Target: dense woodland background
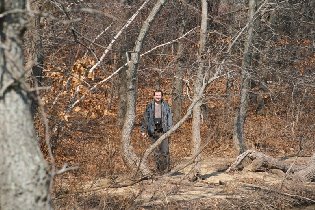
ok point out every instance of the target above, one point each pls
(94, 69)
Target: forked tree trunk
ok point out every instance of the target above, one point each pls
(196, 137)
(129, 156)
(238, 134)
(24, 179)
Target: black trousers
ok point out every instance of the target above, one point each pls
(161, 153)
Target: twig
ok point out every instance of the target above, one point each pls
(278, 192)
(65, 168)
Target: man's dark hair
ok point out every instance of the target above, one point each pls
(160, 91)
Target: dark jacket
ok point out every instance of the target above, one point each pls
(148, 118)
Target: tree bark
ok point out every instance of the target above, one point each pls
(122, 97)
(238, 134)
(122, 84)
(177, 92)
(24, 179)
(196, 137)
(122, 91)
(129, 156)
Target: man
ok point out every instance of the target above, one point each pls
(157, 121)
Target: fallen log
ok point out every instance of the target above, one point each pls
(255, 161)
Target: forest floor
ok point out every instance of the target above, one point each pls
(102, 180)
(215, 190)
(90, 139)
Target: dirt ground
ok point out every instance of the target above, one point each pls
(215, 190)
(102, 180)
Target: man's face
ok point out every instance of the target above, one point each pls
(157, 97)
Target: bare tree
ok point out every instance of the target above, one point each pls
(129, 156)
(123, 52)
(24, 179)
(238, 134)
(196, 137)
(177, 92)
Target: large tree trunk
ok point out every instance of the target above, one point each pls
(238, 134)
(122, 77)
(129, 156)
(196, 138)
(24, 179)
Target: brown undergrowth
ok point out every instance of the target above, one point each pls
(88, 137)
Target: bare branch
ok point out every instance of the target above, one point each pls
(246, 26)
(120, 68)
(109, 47)
(170, 42)
(11, 12)
(98, 36)
(66, 168)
